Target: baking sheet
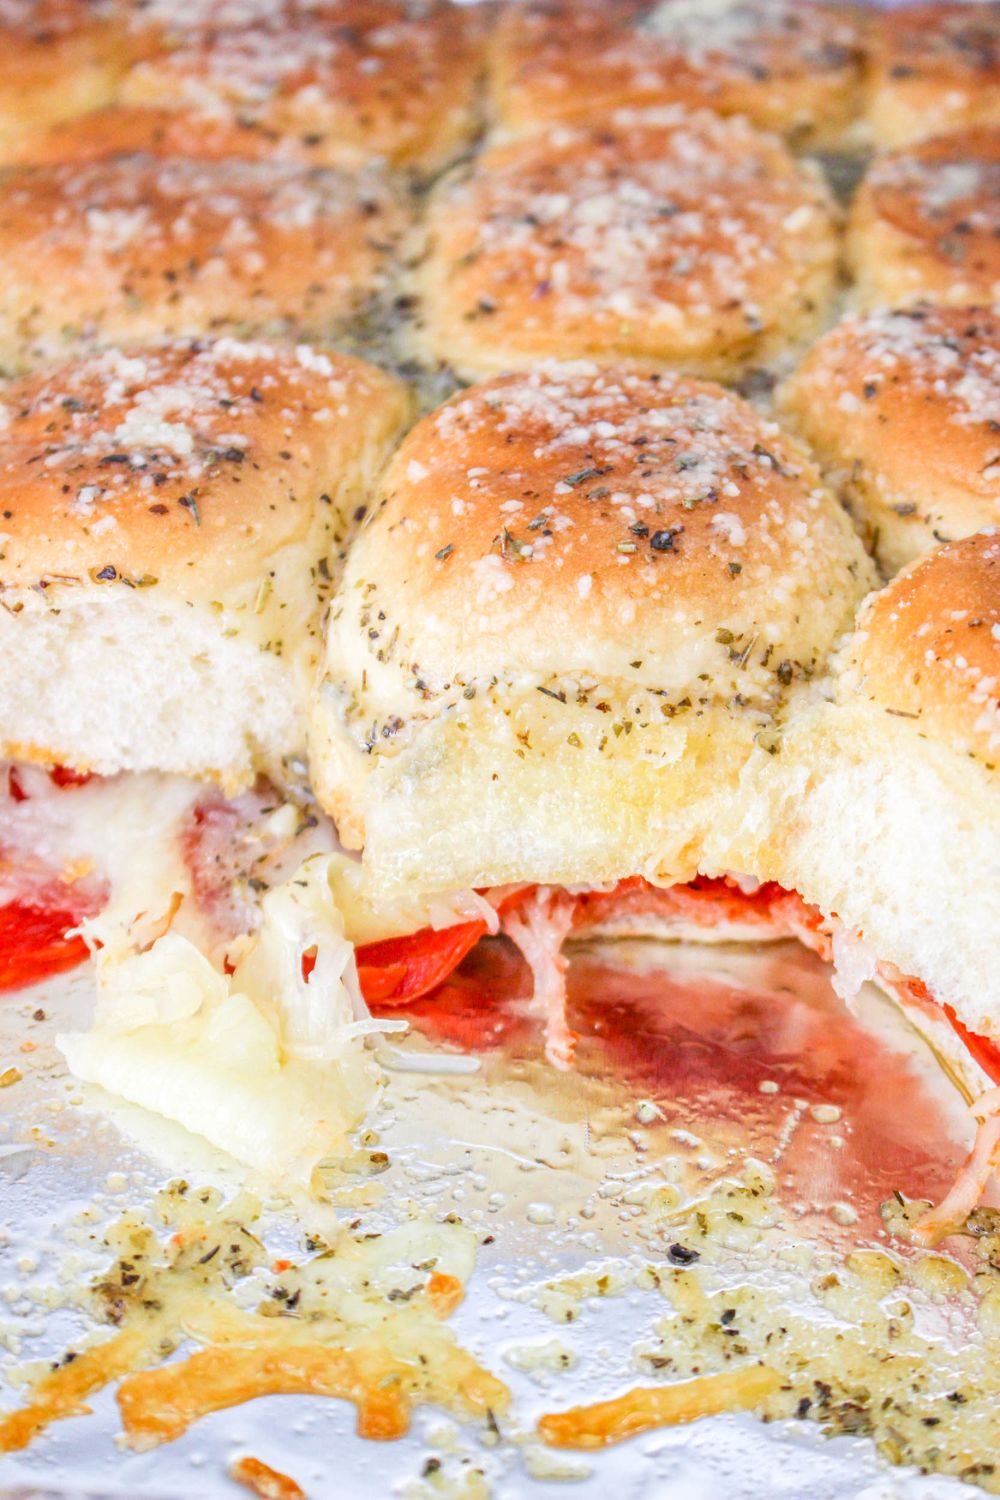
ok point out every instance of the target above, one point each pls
(691, 1061)
(732, 1048)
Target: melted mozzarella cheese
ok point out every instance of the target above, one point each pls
(267, 1063)
(122, 828)
(371, 916)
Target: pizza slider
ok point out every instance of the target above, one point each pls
(790, 67)
(352, 80)
(925, 224)
(58, 59)
(583, 599)
(931, 68)
(167, 517)
(885, 811)
(133, 248)
(677, 237)
(901, 408)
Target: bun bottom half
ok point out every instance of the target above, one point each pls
(891, 834)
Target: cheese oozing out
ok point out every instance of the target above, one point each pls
(267, 1063)
(227, 993)
(241, 1016)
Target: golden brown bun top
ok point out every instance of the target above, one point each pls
(915, 396)
(783, 62)
(928, 646)
(946, 39)
(57, 57)
(620, 524)
(187, 464)
(117, 239)
(938, 64)
(637, 232)
(358, 79)
(144, 207)
(943, 196)
(31, 29)
(122, 129)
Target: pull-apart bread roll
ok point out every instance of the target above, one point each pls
(932, 68)
(58, 59)
(131, 249)
(166, 516)
(925, 224)
(789, 66)
(582, 599)
(886, 802)
(685, 239)
(350, 80)
(903, 411)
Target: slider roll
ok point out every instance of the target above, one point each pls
(900, 408)
(677, 237)
(59, 59)
(885, 802)
(932, 68)
(169, 517)
(582, 599)
(132, 248)
(925, 224)
(789, 67)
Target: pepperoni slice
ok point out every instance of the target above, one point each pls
(64, 776)
(981, 1050)
(34, 943)
(398, 970)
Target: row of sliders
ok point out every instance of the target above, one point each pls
(827, 76)
(595, 615)
(682, 238)
(594, 647)
(330, 83)
(232, 475)
(336, 82)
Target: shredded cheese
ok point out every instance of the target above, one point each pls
(539, 927)
(973, 1177)
(647, 1407)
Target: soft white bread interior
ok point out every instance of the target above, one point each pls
(583, 597)
(130, 248)
(882, 806)
(168, 516)
(661, 234)
(902, 409)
